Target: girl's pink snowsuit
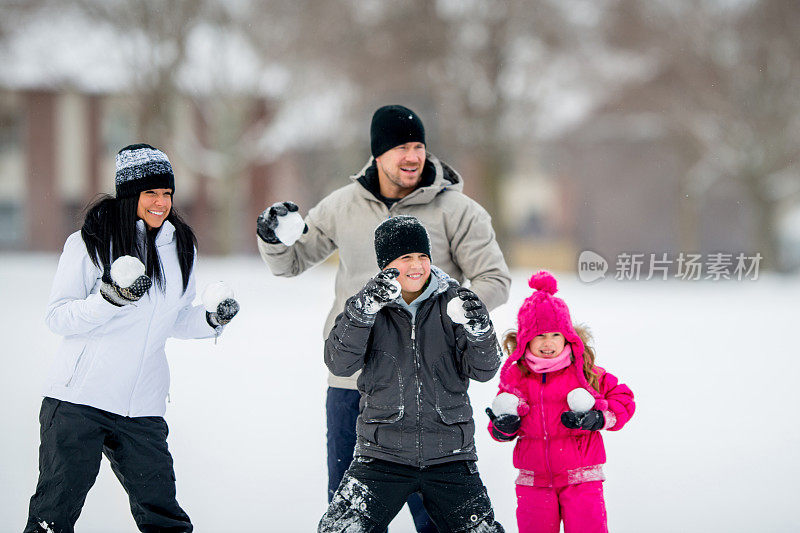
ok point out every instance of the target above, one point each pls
(550, 455)
(560, 469)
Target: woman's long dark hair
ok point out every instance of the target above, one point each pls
(109, 232)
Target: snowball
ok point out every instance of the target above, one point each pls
(455, 310)
(396, 288)
(290, 228)
(125, 270)
(214, 294)
(580, 400)
(505, 403)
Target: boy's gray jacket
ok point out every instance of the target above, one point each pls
(462, 240)
(414, 405)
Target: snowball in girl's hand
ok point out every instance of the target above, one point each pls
(580, 400)
(505, 403)
(455, 310)
(214, 294)
(125, 270)
(290, 228)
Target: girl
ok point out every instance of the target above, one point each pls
(107, 388)
(559, 450)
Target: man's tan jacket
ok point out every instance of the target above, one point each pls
(462, 240)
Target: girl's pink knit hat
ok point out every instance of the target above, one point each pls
(541, 313)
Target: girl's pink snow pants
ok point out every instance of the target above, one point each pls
(581, 506)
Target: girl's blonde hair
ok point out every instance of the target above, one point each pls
(589, 369)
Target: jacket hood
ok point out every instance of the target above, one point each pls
(444, 177)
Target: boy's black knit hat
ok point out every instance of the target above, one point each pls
(141, 167)
(393, 125)
(399, 236)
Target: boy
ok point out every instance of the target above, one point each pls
(415, 427)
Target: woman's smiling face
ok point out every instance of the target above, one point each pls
(154, 206)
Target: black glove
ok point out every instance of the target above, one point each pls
(120, 296)
(268, 221)
(505, 426)
(225, 312)
(377, 292)
(591, 420)
(477, 315)
(380, 290)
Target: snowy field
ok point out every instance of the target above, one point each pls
(714, 445)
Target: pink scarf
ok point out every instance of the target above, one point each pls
(543, 364)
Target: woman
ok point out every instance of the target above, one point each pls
(107, 388)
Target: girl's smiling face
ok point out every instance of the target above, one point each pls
(547, 345)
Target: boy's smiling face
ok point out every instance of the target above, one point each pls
(415, 269)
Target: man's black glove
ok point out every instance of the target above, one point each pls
(505, 426)
(591, 420)
(225, 312)
(268, 221)
(476, 313)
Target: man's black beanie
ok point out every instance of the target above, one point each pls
(399, 236)
(393, 125)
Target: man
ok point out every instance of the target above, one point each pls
(400, 178)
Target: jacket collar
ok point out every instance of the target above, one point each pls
(164, 235)
(444, 177)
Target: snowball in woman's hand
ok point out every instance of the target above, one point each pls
(455, 310)
(125, 270)
(214, 294)
(580, 400)
(290, 228)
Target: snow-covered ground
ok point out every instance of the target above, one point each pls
(714, 445)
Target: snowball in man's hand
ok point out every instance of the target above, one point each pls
(455, 310)
(505, 403)
(580, 400)
(125, 270)
(214, 294)
(290, 228)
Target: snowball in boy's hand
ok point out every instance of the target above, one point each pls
(505, 403)
(214, 294)
(125, 270)
(396, 289)
(580, 400)
(290, 228)
(455, 310)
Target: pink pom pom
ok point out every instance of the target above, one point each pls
(544, 281)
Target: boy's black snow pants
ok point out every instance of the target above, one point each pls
(342, 411)
(373, 491)
(73, 437)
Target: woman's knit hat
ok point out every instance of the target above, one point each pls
(140, 167)
(542, 313)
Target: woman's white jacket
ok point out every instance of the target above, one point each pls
(113, 358)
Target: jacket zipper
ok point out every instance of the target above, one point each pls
(544, 430)
(418, 393)
(141, 360)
